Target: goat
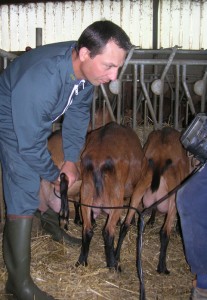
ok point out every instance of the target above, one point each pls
(47, 196)
(165, 166)
(55, 147)
(110, 169)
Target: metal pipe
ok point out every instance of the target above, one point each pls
(139, 51)
(147, 96)
(165, 61)
(119, 98)
(134, 117)
(177, 85)
(38, 37)
(107, 102)
(8, 55)
(126, 62)
(155, 24)
(5, 62)
(190, 101)
(172, 55)
(203, 96)
(94, 108)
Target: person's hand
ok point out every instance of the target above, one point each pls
(71, 171)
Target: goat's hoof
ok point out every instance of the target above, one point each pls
(163, 271)
(78, 222)
(78, 263)
(118, 269)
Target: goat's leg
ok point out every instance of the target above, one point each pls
(123, 232)
(151, 220)
(87, 234)
(86, 240)
(109, 249)
(165, 236)
(108, 236)
(164, 240)
(77, 219)
(64, 211)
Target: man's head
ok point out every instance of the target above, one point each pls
(102, 49)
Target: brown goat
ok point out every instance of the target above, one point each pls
(55, 147)
(166, 165)
(47, 196)
(110, 170)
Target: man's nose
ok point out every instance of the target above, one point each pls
(113, 74)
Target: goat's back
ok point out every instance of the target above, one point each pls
(165, 144)
(116, 151)
(166, 156)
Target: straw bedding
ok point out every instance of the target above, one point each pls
(53, 267)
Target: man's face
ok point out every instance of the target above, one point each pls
(103, 67)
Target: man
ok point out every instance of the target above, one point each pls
(35, 90)
(192, 208)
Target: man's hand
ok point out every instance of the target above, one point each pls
(72, 173)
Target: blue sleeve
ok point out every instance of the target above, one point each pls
(33, 98)
(75, 124)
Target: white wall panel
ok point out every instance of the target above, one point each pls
(4, 27)
(180, 22)
(183, 23)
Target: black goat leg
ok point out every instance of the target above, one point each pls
(64, 211)
(164, 240)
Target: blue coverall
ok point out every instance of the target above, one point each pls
(35, 89)
(192, 208)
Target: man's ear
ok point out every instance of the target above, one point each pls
(84, 53)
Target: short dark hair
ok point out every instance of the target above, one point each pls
(98, 34)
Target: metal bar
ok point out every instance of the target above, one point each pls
(107, 102)
(172, 55)
(119, 98)
(38, 37)
(190, 101)
(154, 95)
(155, 24)
(139, 51)
(177, 85)
(165, 61)
(203, 97)
(126, 62)
(134, 117)
(94, 108)
(5, 62)
(147, 96)
(8, 55)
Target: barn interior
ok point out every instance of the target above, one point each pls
(157, 86)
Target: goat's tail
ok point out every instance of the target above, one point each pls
(107, 167)
(157, 173)
(98, 172)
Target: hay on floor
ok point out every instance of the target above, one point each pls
(53, 267)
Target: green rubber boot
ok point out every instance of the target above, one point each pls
(50, 223)
(17, 256)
